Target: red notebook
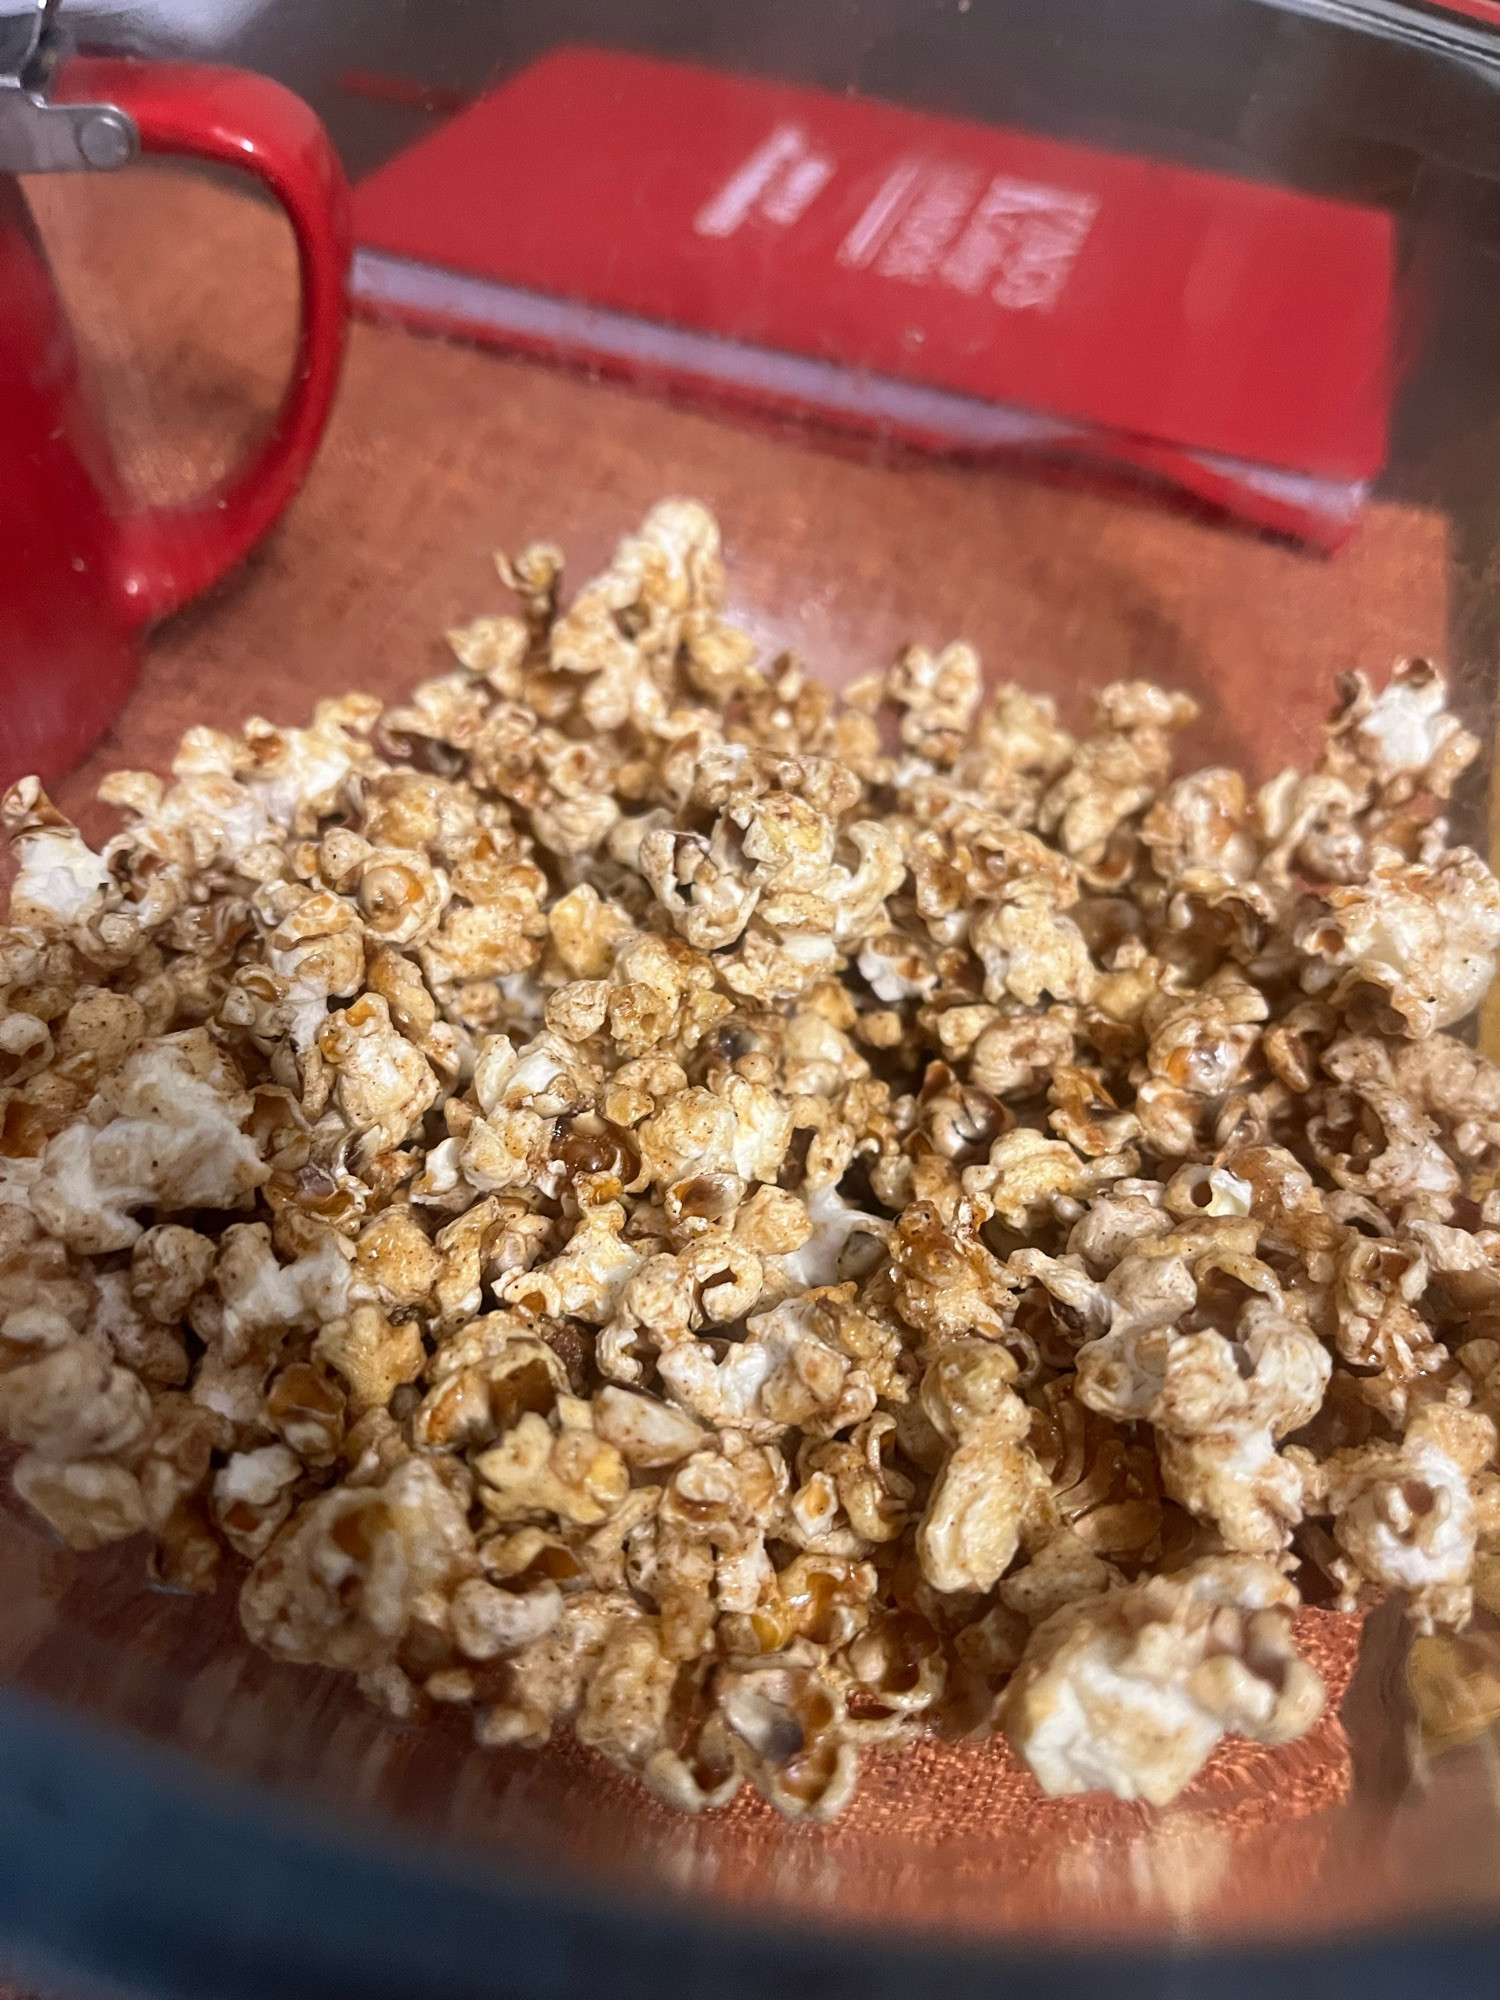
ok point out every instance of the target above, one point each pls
(952, 285)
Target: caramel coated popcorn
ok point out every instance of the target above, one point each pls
(629, 1194)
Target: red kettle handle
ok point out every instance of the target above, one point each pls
(170, 554)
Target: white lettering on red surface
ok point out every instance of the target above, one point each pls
(780, 181)
(1021, 241)
(866, 238)
(1018, 240)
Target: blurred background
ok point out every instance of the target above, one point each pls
(1370, 100)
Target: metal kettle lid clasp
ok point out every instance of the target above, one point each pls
(36, 136)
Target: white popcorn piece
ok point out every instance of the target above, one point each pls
(60, 881)
(166, 1132)
(252, 1496)
(1405, 1514)
(1129, 1692)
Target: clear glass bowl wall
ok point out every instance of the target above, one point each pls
(182, 291)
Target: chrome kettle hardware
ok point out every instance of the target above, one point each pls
(39, 137)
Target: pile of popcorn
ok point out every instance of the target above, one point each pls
(638, 1196)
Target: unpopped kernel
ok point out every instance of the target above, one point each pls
(630, 1194)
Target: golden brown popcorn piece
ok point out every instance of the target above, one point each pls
(401, 896)
(1017, 747)
(168, 1266)
(857, 1475)
(898, 1663)
(487, 1621)
(1219, 1398)
(315, 948)
(535, 575)
(1459, 1089)
(1116, 770)
(585, 931)
(1123, 1218)
(706, 885)
(1203, 1042)
(445, 713)
(493, 647)
(629, 1694)
(1027, 1179)
(543, 1684)
(789, 1370)
(662, 592)
(340, 1583)
(373, 1357)
(644, 1432)
(1016, 1054)
(1085, 1113)
(484, 1378)
(306, 1409)
(384, 1084)
(252, 1496)
(395, 1258)
(898, 967)
(585, 1280)
(495, 933)
(1200, 830)
(661, 997)
(61, 883)
(102, 1027)
(1064, 1570)
(1370, 1137)
(301, 775)
(948, 1283)
(87, 1503)
(374, 1445)
(566, 1472)
(790, 1737)
(1029, 951)
(261, 1300)
(400, 984)
(1130, 1691)
(1401, 741)
(706, 1550)
(1377, 1284)
(70, 1402)
(462, 1248)
(156, 1353)
(991, 1491)
(571, 809)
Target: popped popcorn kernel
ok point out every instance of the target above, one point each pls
(1129, 1691)
(642, 1197)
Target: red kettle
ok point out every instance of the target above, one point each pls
(84, 571)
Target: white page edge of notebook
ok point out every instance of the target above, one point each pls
(379, 279)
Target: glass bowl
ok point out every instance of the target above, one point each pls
(181, 1814)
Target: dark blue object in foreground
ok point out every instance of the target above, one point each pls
(124, 1865)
